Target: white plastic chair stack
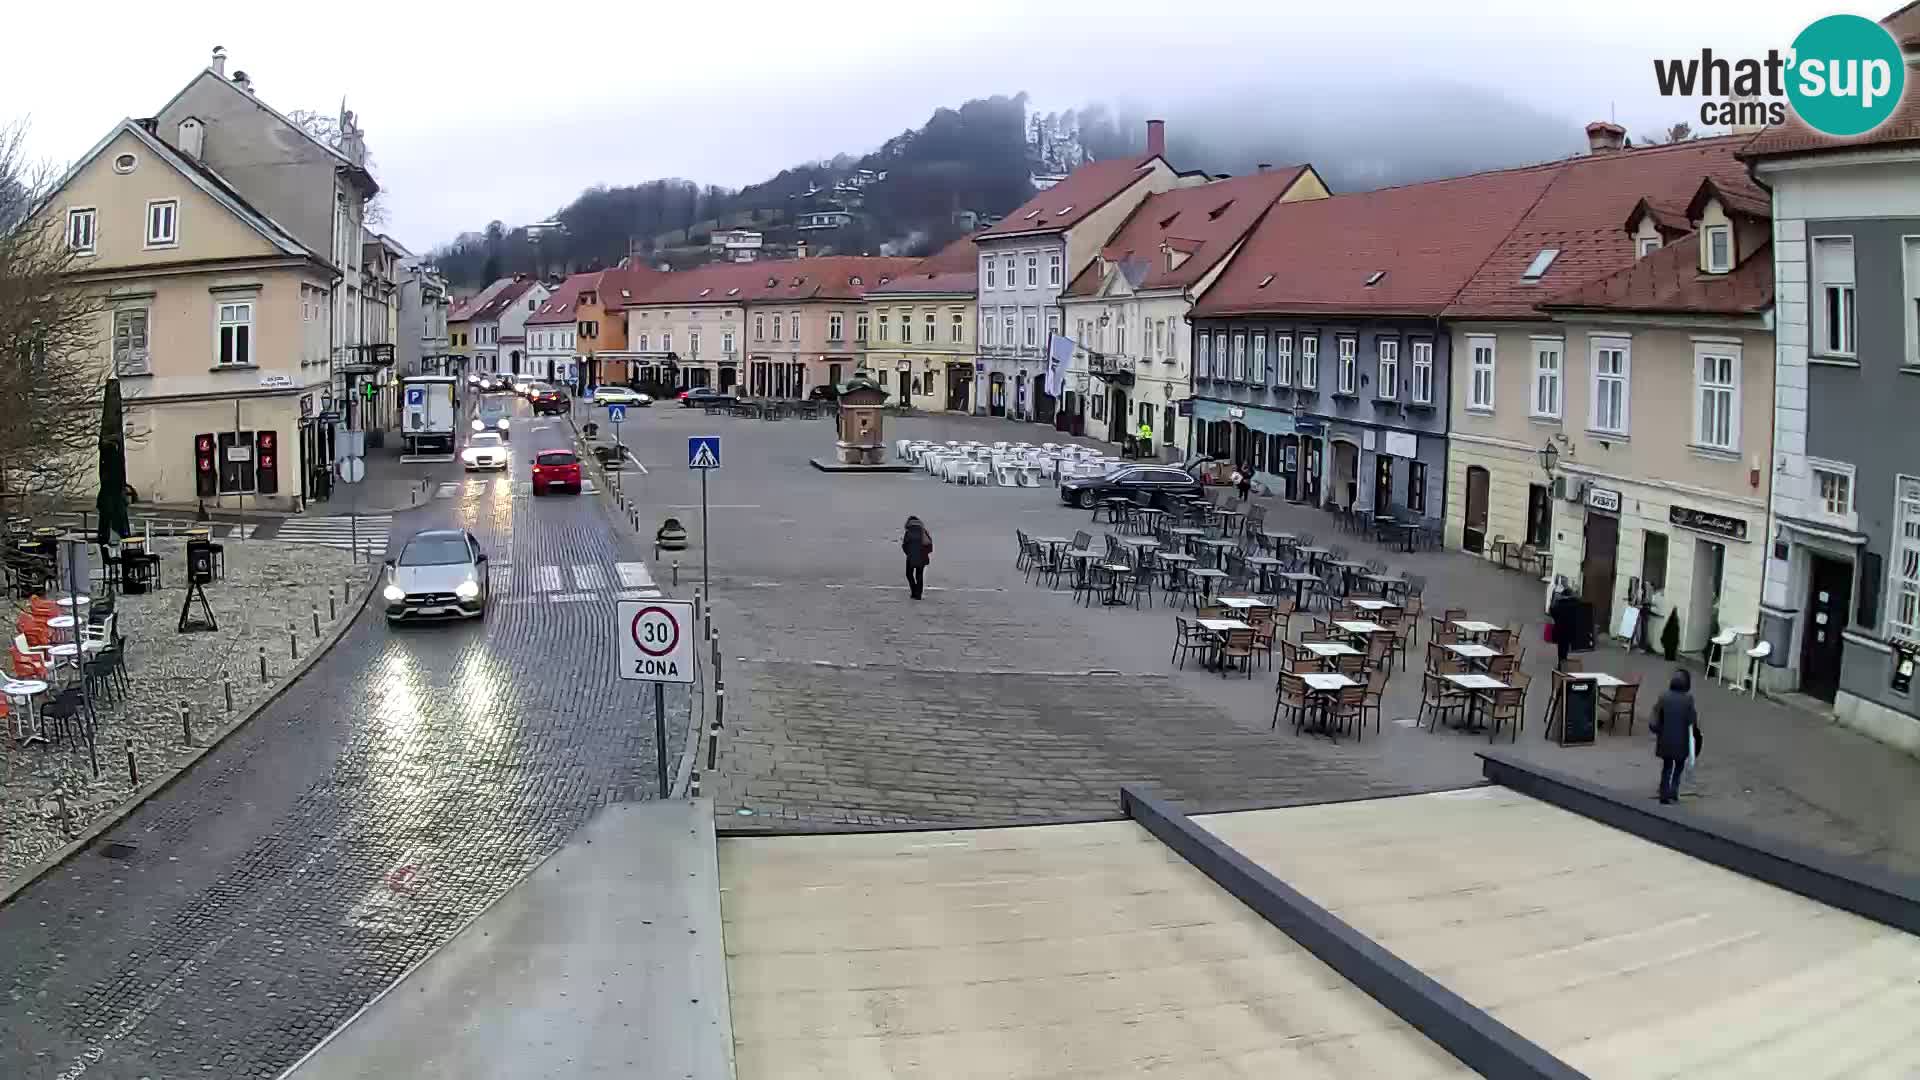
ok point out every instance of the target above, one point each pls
(1003, 473)
(977, 472)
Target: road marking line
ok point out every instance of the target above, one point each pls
(446, 490)
(640, 594)
(569, 597)
(588, 487)
(719, 506)
(633, 575)
(524, 487)
(547, 579)
(500, 577)
(476, 487)
(589, 576)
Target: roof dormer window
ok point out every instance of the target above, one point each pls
(1067, 209)
(854, 280)
(1646, 245)
(1375, 278)
(1031, 214)
(1719, 244)
(735, 291)
(1265, 281)
(1537, 269)
(704, 292)
(1214, 214)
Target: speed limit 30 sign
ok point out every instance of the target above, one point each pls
(656, 640)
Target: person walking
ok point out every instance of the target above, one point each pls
(1146, 439)
(1243, 483)
(1565, 613)
(917, 543)
(1676, 728)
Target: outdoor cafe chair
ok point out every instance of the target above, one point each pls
(1619, 706)
(1507, 704)
(1437, 698)
(1237, 645)
(1020, 549)
(1349, 708)
(1375, 692)
(1188, 638)
(1290, 700)
(1264, 632)
(1379, 651)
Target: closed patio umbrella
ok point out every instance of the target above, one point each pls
(112, 500)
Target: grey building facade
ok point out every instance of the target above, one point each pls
(1329, 410)
(423, 346)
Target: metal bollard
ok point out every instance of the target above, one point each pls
(133, 767)
(693, 791)
(713, 730)
(227, 685)
(65, 812)
(333, 612)
(293, 641)
(316, 622)
(186, 724)
(676, 571)
(263, 663)
(697, 601)
(716, 658)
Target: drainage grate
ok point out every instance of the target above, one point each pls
(118, 850)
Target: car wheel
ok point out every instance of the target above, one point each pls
(1088, 500)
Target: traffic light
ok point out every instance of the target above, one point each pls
(266, 457)
(206, 480)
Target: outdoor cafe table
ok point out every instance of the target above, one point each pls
(1321, 685)
(74, 601)
(22, 692)
(1374, 605)
(1313, 555)
(1241, 603)
(1360, 627)
(1142, 542)
(1475, 685)
(1204, 577)
(1082, 558)
(1149, 516)
(1117, 573)
(1217, 547)
(1472, 653)
(1407, 530)
(1350, 569)
(1475, 626)
(1328, 650)
(1218, 628)
(1116, 505)
(1264, 565)
(1386, 585)
(1185, 533)
(1228, 516)
(1273, 540)
(1299, 579)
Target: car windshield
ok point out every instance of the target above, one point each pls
(435, 551)
(484, 438)
(558, 457)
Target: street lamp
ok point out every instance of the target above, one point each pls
(1549, 457)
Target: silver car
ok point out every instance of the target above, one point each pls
(440, 574)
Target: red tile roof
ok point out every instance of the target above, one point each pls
(624, 285)
(1068, 202)
(1315, 256)
(1795, 137)
(1580, 213)
(1904, 25)
(829, 277)
(1670, 281)
(1205, 222)
(559, 308)
(464, 310)
(953, 269)
(502, 300)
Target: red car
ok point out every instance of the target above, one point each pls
(556, 468)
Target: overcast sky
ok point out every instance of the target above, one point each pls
(473, 113)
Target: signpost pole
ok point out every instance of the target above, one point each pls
(660, 734)
(706, 582)
(619, 453)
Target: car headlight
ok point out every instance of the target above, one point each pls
(503, 423)
(467, 590)
(479, 425)
(393, 593)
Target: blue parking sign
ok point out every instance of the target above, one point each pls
(416, 395)
(616, 413)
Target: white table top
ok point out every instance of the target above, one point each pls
(1049, 539)
(1329, 648)
(1353, 627)
(1273, 535)
(1300, 575)
(1221, 626)
(74, 601)
(67, 650)
(23, 687)
(1475, 682)
(1205, 571)
(1175, 557)
(1471, 651)
(1599, 678)
(61, 622)
(1216, 543)
(1240, 603)
(1139, 541)
(1314, 550)
(1351, 564)
(1373, 605)
(1262, 560)
(1475, 626)
(1328, 681)
(1187, 530)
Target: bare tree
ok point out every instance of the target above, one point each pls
(327, 129)
(51, 378)
(1673, 133)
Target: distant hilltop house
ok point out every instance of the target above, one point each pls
(1043, 181)
(824, 219)
(736, 245)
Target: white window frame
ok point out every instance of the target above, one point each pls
(1843, 293)
(932, 328)
(988, 277)
(1239, 356)
(1203, 355)
(1053, 269)
(83, 224)
(693, 344)
(1816, 507)
(1310, 361)
(240, 323)
(1387, 377)
(1710, 234)
(1910, 261)
(759, 330)
(726, 342)
(1549, 382)
(1483, 366)
(1422, 371)
(1033, 270)
(1283, 359)
(1053, 324)
(1597, 377)
(986, 331)
(666, 341)
(1007, 267)
(1007, 329)
(642, 343)
(958, 333)
(133, 361)
(885, 329)
(171, 238)
(836, 326)
(794, 318)
(1646, 245)
(1347, 367)
(1903, 568)
(1725, 395)
(1258, 372)
(1222, 356)
(1032, 338)
(776, 328)
(906, 327)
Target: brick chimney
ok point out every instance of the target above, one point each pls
(219, 64)
(1604, 137)
(243, 81)
(1156, 138)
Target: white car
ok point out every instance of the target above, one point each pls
(619, 395)
(521, 384)
(485, 450)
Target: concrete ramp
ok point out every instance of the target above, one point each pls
(606, 961)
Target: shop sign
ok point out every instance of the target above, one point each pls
(1905, 655)
(1235, 412)
(1402, 444)
(1604, 499)
(1184, 407)
(1686, 517)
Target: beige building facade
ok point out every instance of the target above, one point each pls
(215, 320)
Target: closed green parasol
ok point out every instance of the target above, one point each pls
(112, 500)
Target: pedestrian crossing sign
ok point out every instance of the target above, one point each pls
(703, 451)
(616, 413)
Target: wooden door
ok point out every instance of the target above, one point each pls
(1829, 592)
(1473, 536)
(1597, 568)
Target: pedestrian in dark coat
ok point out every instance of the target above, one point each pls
(1565, 613)
(917, 543)
(1676, 728)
